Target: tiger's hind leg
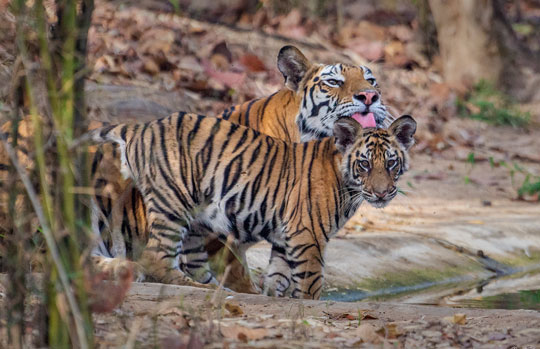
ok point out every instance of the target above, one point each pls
(194, 259)
(225, 252)
(160, 256)
(239, 278)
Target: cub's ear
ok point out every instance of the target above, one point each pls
(346, 130)
(293, 65)
(403, 129)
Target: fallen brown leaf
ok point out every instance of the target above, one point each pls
(431, 176)
(292, 19)
(252, 63)
(243, 333)
(401, 32)
(229, 79)
(394, 53)
(390, 331)
(365, 315)
(150, 66)
(368, 316)
(222, 49)
(219, 61)
(179, 319)
(367, 333)
(233, 309)
(369, 49)
(458, 319)
(156, 40)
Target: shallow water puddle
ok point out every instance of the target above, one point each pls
(520, 290)
(525, 299)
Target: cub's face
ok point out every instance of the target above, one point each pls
(374, 159)
(330, 92)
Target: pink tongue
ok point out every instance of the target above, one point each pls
(366, 121)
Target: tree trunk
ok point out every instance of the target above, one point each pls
(476, 42)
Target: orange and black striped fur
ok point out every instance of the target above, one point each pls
(315, 97)
(199, 176)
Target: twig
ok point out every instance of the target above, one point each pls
(220, 287)
(132, 337)
(49, 239)
(339, 11)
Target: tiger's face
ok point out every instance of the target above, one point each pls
(374, 159)
(330, 92)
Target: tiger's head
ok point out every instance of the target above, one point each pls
(329, 92)
(374, 159)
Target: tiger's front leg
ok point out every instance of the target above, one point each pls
(277, 280)
(160, 256)
(305, 253)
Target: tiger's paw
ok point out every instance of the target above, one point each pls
(276, 284)
(176, 277)
(118, 268)
(240, 281)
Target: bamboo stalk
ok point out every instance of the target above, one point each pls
(62, 98)
(51, 244)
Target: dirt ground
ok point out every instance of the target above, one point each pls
(168, 316)
(174, 316)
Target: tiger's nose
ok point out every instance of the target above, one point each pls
(382, 194)
(367, 97)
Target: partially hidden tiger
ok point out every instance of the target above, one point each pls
(316, 95)
(200, 176)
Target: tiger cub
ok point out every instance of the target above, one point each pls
(201, 175)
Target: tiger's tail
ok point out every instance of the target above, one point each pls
(109, 134)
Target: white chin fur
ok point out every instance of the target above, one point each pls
(379, 204)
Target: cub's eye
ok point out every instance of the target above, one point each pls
(372, 82)
(365, 164)
(333, 82)
(390, 163)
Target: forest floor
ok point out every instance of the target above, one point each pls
(461, 201)
(175, 315)
(169, 316)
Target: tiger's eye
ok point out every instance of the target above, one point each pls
(334, 82)
(390, 163)
(365, 164)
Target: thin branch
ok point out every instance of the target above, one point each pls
(51, 244)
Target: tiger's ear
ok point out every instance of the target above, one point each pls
(293, 65)
(403, 129)
(346, 130)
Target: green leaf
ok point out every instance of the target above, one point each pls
(470, 158)
(491, 162)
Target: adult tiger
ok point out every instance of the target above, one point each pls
(315, 97)
(201, 175)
